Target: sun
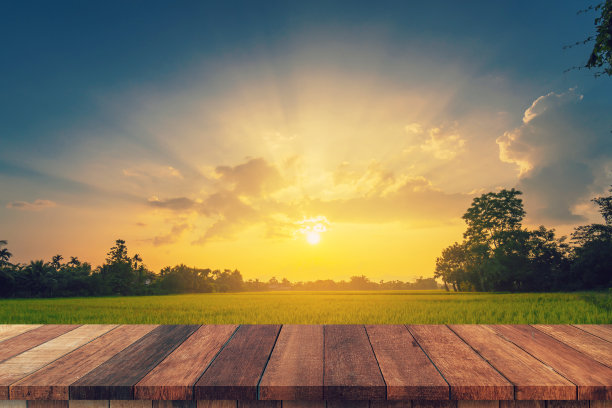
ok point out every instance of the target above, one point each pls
(313, 237)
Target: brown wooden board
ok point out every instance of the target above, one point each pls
(23, 364)
(295, 369)
(48, 404)
(406, 369)
(32, 338)
(469, 376)
(217, 404)
(236, 371)
(594, 380)
(53, 381)
(115, 378)
(351, 370)
(173, 378)
(531, 378)
(603, 331)
(593, 346)
(11, 330)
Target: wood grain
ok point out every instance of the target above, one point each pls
(434, 404)
(88, 404)
(32, 338)
(407, 371)
(594, 380)
(12, 404)
(236, 371)
(347, 404)
(259, 404)
(531, 378)
(390, 404)
(295, 369)
(48, 404)
(567, 404)
(304, 404)
(593, 346)
(115, 378)
(173, 378)
(603, 331)
(11, 330)
(130, 404)
(53, 381)
(20, 366)
(600, 404)
(522, 404)
(469, 376)
(217, 404)
(477, 404)
(174, 404)
(351, 370)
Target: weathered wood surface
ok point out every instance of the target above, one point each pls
(531, 378)
(295, 369)
(236, 371)
(174, 378)
(594, 380)
(593, 346)
(603, 331)
(115, 378)
(21, 365)
(52, 381)
(469, 375)
(406, 369)
(417, 366)
(351, 370)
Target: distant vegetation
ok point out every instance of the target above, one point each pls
(497, 254)
(125, 275)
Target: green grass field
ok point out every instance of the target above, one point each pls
(393, 307)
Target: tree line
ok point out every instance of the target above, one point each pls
(125, 275)
(498, 254)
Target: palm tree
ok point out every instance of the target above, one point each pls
(5, 255)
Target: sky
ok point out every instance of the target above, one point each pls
(307, 140)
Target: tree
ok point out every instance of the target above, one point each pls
(5, 255)
(601, 55)
(593, 248)
(451, 266)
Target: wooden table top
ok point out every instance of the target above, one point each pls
(299, 362)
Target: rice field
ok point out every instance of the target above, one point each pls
(376, 307)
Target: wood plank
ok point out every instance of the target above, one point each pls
(406, 369)
(173, 378)
(174, 404)
(32, 338)
(594, 380)
(115, 378)
(600, 404)
(53, 381)
(12, 404)
(603, 331)
(88, 404)
(593, 346)
(531, 378)
(48, 404)
(217, 404)
(259, 404)
(20, 366)
(11, 330)
(130, 404)
(295, 369)
(522, 404)
(348, 404)
(469, 376)
(236, 371)
(434, 404)
(304, 404)
(477, 404)
(351, 370)
(389, 404)
(567, 404)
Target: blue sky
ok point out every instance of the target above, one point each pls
(113, 113)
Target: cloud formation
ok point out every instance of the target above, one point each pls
(36, 205)
(443, 142)
(561, 150)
